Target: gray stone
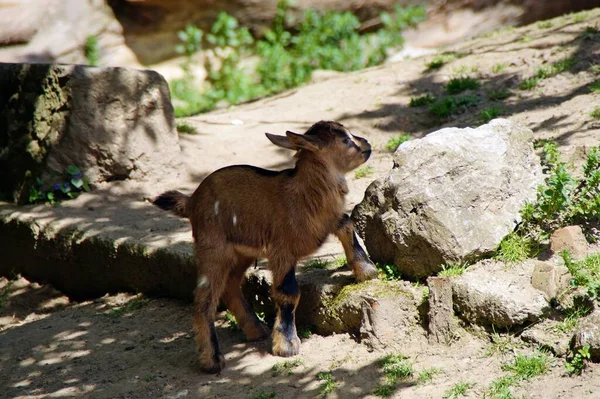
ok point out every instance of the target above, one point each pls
(112, 123)
(569, 238)
(546, 336)
(588, 333)
(451, 196)
(491, 293)
(550, 279)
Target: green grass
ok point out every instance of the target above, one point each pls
(545, 25)
(572, 316)
(458, 390)
(395, 368)
(318, 263)
(426, 376)
(595, 112)
(526, 367)
(500, 345)
(388, 272)
(425, 99)
(546, 72)
(529, 83)
(489, 113)
(500, 388)
(496, 95)
(449, 106)
(364, 171)
(580, 16)
(230, 318)
(526, 39)
(185, 128)
(515, 248)
(460, 84)
(589, 33)
(585, 272)
(304, 332)
(499, 67)
(453, 269)
(262, 395)
(594, 87)
(328, 384)
(286, 367)
(394, 142)
(132, 305)
(436, 63)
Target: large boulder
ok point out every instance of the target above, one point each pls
(112, 123)
(451, 197)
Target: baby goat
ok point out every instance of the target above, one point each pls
(240, 213)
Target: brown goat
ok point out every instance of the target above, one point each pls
(240, 213)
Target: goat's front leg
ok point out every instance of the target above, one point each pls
(286, 295)
(356, 257)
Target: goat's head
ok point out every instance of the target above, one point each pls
(330, 141)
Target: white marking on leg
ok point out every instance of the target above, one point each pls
(216, 207)
(234, 219)
(202, 281)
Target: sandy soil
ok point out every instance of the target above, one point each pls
(53, 347)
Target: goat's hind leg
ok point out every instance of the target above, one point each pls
(206, 298)
(253, 328)
(286, 295)
(357, 259)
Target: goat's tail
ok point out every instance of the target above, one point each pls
(173, 201)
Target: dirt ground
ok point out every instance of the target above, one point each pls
(120, 346)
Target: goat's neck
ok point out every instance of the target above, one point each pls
(317, 181)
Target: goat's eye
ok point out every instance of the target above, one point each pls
(347, 141)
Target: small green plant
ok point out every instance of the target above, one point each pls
(589, 33)
(586, 273)
(572, 316)
(304, 332)
(460, 84)
(500, 388)
(449, 106)
(426, 376)
(491, 112)
(317, 263)
(425, 99)
(529, 83)
(595, 112)
(580, 16)
(231, 320)
(328, 384)
(458, 390)
(547, 72)
(500, 345)
(545, 25)
(130, 306)
(578, 362)
(262, 394)
(184, 127)
(150, 377)
(395, 368)
(594, 87)
(453, 269)
(286, 367)
(439, 60)
(526, 39)
(526, 367)
(497, 95)
(516, 248)
(69, 186)
(364, 171)
(388, 272)
(499, 67)
(91, 50)
(394, 142)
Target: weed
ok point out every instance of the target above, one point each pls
(262, 395)
(364, 171)
(425, 376)
(184, 127)
(70, 185)
(500, 345)
(529, 83)
(526, 39)
(286, 367)
(545, 25)
(317, 263)
(499, 67)
(453, 269)
(491, 112)
(460, 84)
(436, 63)
(586, 273)
(495, 95)
(91, 50)
(395, 367)
(516, 248)
(580, 16)
(232, 321)
(388, 272)
(130, 306)
(595, 112)
(572, 316)
(328, 384)
(458, 390)
(578, 362)
(150, 377)
(449, 106)
(589, 33)
(547, 72)
(500, 388)
(425, 99)
(594, 87)
(304, 332)
(394, 142)
(595, 68)
(526, 367)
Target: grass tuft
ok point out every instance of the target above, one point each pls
(131, 306)
(394, 142)
(328, 384)
(460, 84)
(489, 113)
(595, 112)
(425, 99)
(458, 390)
(185, 128)
(365, 171)
(426, 376)
(515, 248)
(526, 367)
(286, 367)
(453, 269)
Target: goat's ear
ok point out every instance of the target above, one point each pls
(281, 141)
(301, 141)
